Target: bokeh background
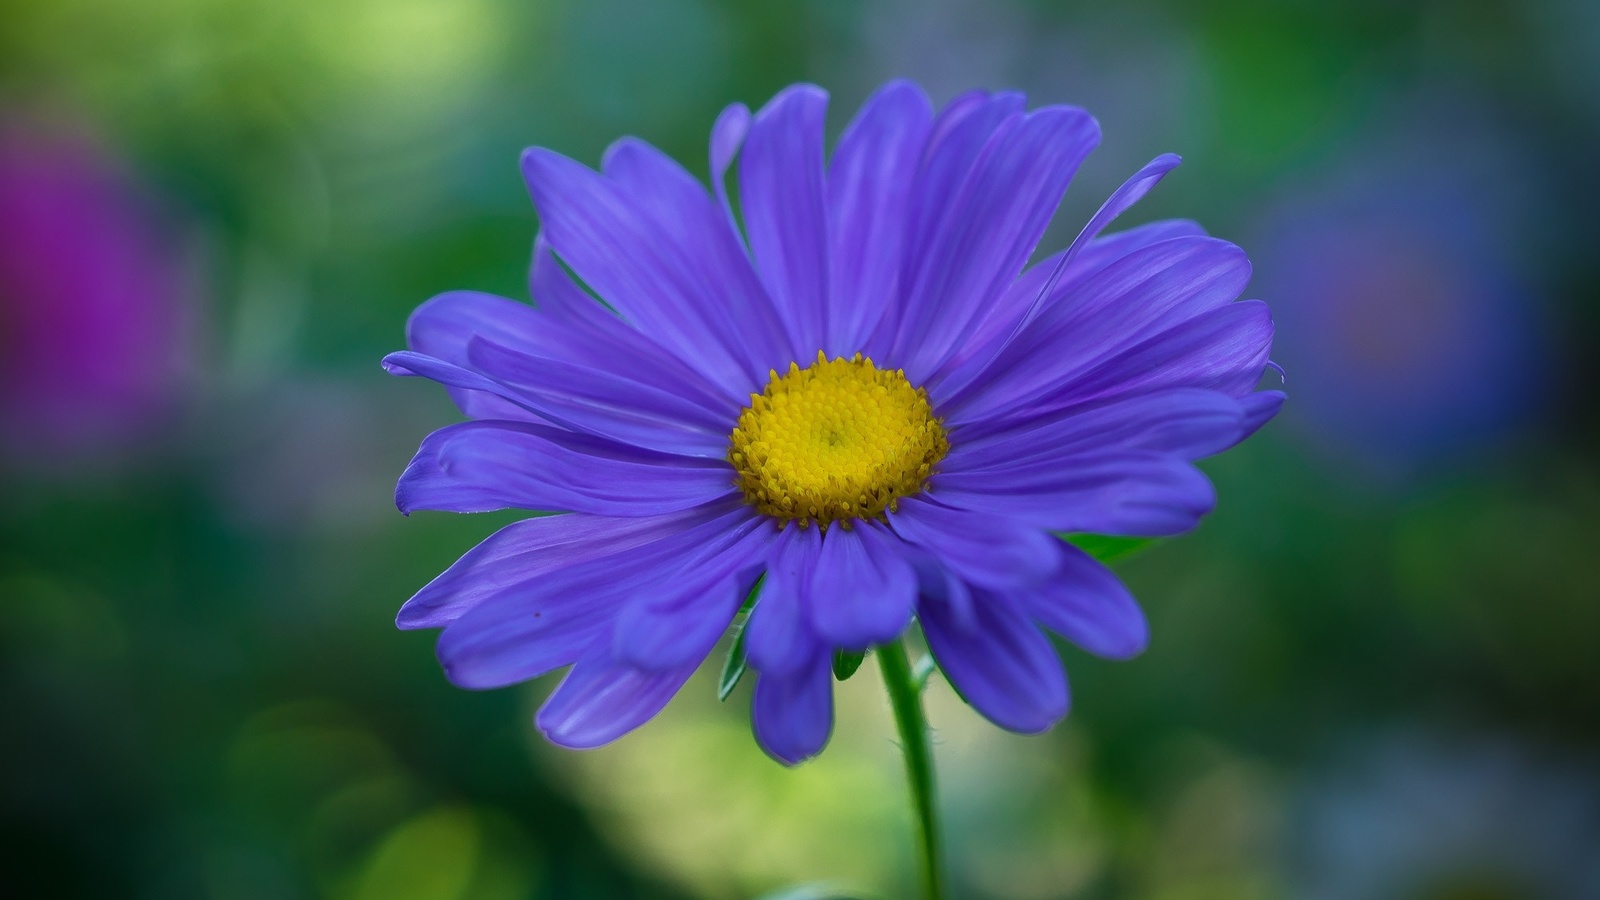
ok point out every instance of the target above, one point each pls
(1374, 670)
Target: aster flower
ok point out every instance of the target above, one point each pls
(864, 398)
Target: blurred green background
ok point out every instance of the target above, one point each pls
(1374, 670)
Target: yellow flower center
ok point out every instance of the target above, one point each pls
(838, 440)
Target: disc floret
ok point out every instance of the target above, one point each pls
(836, 441)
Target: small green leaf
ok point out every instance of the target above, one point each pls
(733, 667)
(922, 671)
(846, 662)
(1106, 548)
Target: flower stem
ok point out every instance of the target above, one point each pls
(905, 697)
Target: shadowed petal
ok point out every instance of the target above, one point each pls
(864, 589)
(778, 638)
(792, 714)
(540, 623)
(1087, 604)
(982, 549)
(679, 618)
(1002, 664)
(601, 700)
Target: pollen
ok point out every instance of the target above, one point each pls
(836, 441)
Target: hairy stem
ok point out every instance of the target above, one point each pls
(905, 697)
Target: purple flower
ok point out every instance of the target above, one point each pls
(871, 402)
(94, 299)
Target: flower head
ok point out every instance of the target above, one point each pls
(865, 398)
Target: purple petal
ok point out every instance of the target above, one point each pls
(983, 550)
(591, 335)
(679, 619)
(785, 210)
(792, 714)
(1002, 665)
(992, 223)
(1131, 192)
(1225, 350)
(700, 234)
(777, 638)
(482, 466)
(1189, 422)
(1146, 293)
(1138, 493)
(524, 551)
(863, 590)
(1259, 408)
(959, 134)
(594, 401)
(601, 700)
(1040, 287)
(540, 623)
(407, 364)
(869, 193)
(442, 326)
(1086, 604)
(653, 245)
(727, 136)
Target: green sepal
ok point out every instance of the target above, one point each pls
(846, 662)
(1106, 548)
(733, 667)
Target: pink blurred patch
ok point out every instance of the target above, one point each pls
(96, 299)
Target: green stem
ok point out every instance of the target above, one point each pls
(905, 697)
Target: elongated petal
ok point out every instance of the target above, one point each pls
(652, 244)
(1002, 665)
(591, 335)
(792, 714)
(596, 402)
(1138, 494)
(1087, 604)
(781, 185)
(991, 225)
(1259, 408)
(1041, 287)
(1189, 422)
(442, 326)
(481, 466)
(1145, 294)
(601, 700)
(870, 180)
(1225, 350)
(677, 620)
(524, 551)
(981, 549)
(778, 637)
(864, 588)
(727, 136)
(409, 364)
(959, 134)
(536, 626)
